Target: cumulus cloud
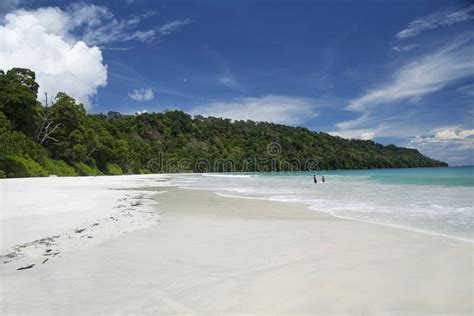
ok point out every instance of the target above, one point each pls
(270, 108)
(38, 40)
(436, 20)
(447, 143)
(445, 134)
(462, 137)
(63, 46)
(142, 94)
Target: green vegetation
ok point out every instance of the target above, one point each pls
(59, 168)
(85, 170)
(21, 166)
(113, 169)
(64, 140)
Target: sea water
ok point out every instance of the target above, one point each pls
(431, 200)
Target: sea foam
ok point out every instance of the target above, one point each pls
(434, 200)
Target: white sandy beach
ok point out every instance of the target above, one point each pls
(212, 255)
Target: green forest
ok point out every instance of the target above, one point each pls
(62, 139)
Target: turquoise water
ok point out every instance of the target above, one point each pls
(430, 200)
(452, 176)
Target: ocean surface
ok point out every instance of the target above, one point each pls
(431, 200)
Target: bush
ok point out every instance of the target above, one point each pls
(113, 169)
(2, 174)
(85, 170)
(143, 171)
(59, 168)
(16, 166)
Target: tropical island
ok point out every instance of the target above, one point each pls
(62, 139)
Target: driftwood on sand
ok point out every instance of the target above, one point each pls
(26, 267)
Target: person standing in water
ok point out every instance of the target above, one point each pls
(324, 180)
(315, 180)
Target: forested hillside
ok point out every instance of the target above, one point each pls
(62, 139)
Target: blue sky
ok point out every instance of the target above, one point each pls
(397, 72)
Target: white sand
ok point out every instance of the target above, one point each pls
(63, 214)
(217, 255)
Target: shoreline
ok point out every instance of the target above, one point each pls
(337, 216)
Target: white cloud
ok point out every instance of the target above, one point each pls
(354, 123)
(61, 45)
(270, 108)
(97, 25)
(461, 137)
(365, 134)
(404, 48)
(173, 26)
(229, 81)
(427, 74)
(444, 134)
(466, 133)
(430, 73)
(38, 40)
(436, 20)
(467, 90)
(142, 94)
(448, 144)
(368, 126)
(227, 77)
(140, 112)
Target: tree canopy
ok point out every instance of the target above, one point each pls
(62, 139)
